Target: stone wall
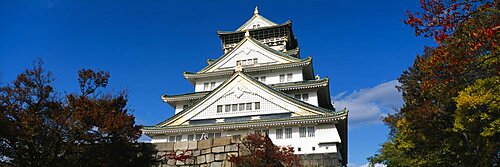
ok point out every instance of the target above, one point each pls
(215, 153)
(321, 159)
(203, 153)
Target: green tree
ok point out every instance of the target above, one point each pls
(438, 124)
(40, 127)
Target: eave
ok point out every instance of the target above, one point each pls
(299, 120)
(222, 33)
(301, 85)
(304, 62)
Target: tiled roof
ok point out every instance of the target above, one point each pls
(324, 111)
(308, 84)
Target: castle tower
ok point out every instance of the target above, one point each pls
(260, 84)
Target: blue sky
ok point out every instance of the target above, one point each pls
(361, 45)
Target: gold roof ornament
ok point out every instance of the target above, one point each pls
(238, 66)
(256, 11)
(247, 33)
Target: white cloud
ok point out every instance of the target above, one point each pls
(365, 165)
(367, 106)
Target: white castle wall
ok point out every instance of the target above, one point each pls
(324, 133)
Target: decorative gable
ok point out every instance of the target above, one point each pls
(257, 21)
(249, 52)
(241, 89)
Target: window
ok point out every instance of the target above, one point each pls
(171, 138)
(255, 61)
(279, 133)
(263, 79)
(198, 136)
(190, 137)
(178, 138)
(298, 149)
(310, 132)
(302, 131)
(205, 86)
(297, 96)
(241, 107)
(184, 107)
(249, 62)
(212, 85)
(314, 148)
(305, 97)
(249, 106)
(211, 135)
(243, 62)
(257, 78)
(238, 62)
(282, 78)
(227, 107)
(257, 105)
(289, 77)
(219, 108)
(218, 135)
(288, 133)
(235, 107)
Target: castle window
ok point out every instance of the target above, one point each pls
(184, 107)
(288, 133)
(263, 79)
(227, 107)
(198, 136)
(257, 105)
(314, 148)
(219, 108)
(305, 97)
(171, 138)
(178, 138)
(211, 135)
(243, 62)
(190, 137)
(241, 106)
(282, 78)
(310, 131)
(297, 96)
(289, 77)
(255, 61)
(302, 131)
(218, 135)
(249, 106)
(212, 85)
(235, 107)
(298, 149)
(279, 133)
(205, 86)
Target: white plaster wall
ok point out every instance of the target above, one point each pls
(313, 96)
(325, 133)
(199, 87)
(271, 78)
(180, 106)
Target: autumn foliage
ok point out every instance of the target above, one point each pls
(451, 115)
(257, 150)
(41, 127)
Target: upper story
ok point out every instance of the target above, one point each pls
(267, 52)
(277, 36)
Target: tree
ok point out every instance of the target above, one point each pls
(449, 116)
(40, 127)
(261, 152)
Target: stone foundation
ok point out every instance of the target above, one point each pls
(215, 153)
